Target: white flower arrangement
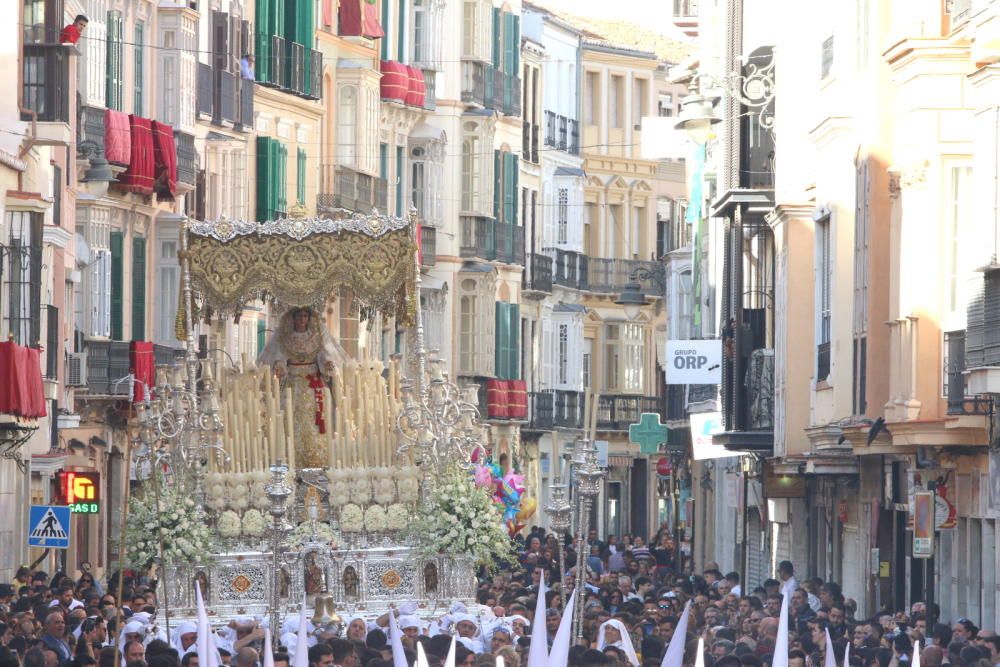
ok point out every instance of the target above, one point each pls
(409, 490)
(361, 490)
(407, 472)
(229, 524)
(397, 517)
(338, 474)
(375, 519)
(339, 493)
(165, 518)
(462, 518)
(254, 523)
(303, 533)
(352, 519)
(385, 491)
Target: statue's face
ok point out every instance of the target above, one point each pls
(300, 320)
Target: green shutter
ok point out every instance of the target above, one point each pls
(117, 242)
(502, 336)
(300, 176)
(264, 203)
(385, 28)
(509, 164)
(516, 37)
(497, 184)
(508, 42)
(383, 161)
(278, 12)
(497, 46)
(114, 65)
(262, 43)
(138, 289)
(261, 335)
(514, 341)
(282, 180)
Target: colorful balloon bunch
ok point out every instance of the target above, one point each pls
(508, 491)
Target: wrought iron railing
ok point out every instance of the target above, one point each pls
(349, 189)
(245, 117)
(538, 274)
(226, 97)
(187, 158)
(428, 246)
(568, 409)
(570, 269)
(541, 406)
(611, 275)
(618, 412)
(478, 239)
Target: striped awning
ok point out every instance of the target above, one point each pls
(620, 461)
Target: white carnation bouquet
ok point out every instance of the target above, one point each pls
(352, 519)
(169, 516)
(229, 524)
(397, 517)
(375, 519)
(303, 534)
(254, 523)
(462, 519)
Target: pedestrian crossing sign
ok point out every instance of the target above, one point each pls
(49, 527)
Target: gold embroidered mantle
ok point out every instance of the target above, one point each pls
(299, 261)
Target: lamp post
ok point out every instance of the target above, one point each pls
(98, 175)
(560, 517)
(589, 476)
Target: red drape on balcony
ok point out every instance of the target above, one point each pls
(143, 367)
(359, 18)
(416, 87)
(517, 399)
(327, 13)
(117, 137)
(496, 399)
(165, 157)
(141, 167)
(395, 83)
(21, 392)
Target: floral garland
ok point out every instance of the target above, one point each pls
(170, 516)
(461, 519)
(229, 524)
(397, 517)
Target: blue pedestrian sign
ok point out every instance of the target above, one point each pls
(48, 527)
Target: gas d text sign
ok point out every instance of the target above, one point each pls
(694, 361)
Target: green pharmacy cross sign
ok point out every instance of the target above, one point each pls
(649, 433)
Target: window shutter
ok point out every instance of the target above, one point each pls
(138, 289)
(401, 32)
(300, 176)
(497, 181)
(514, 341)
(497, 45)
(115, 64)
(264, 185)
(220, 45)
(513, 187)
(261, 335)
(385, 28)
(282, 179)
(502, 336)
(508, 43)
(262, 41)
(137, 75)
(117, 241)
(516, 39)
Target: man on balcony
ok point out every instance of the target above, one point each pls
(246, 67)
(71, 34)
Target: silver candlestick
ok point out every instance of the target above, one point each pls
(560, 517)
(589, 477)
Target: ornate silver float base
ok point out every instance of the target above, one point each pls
(361, 580)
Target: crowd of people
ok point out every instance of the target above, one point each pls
(633, 600)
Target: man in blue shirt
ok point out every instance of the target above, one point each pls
(246, 67)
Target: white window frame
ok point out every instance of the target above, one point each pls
(824, 278)
(476, 323)
(168, 271)
(562, 216)
(567, 344)
(477, 168)
(427, 43)
(94, 295)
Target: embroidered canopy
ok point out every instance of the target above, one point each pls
(299, 261)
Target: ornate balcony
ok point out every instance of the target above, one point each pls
(537, 277)
(187, 158)
(618, 412)
(487, 240)
(570, 269)
(428, 246)
(349, 189)
(568, 409)
(541, 407)
(611, 275)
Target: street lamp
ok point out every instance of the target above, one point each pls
(98, 175)
(697, 113)
(632, 297)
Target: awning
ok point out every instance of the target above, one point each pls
(620, 461)
(430, 283)
(569, 308)
(428, 132)
(569, 171)
(21, 391)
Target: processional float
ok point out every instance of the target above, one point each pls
(305, 479)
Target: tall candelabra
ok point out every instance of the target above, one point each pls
(437, 421)
(560, 517)
(277, 491)
(589, 475)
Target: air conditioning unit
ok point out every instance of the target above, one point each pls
(76, 369)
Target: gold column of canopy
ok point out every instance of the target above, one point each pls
(299, 261)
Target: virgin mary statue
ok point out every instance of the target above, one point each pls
(303, 356)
